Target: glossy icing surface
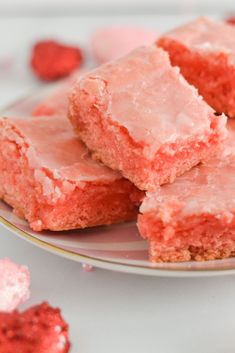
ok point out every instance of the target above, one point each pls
(143, 93)
(207, 35)
(207, 188)
(51, 143)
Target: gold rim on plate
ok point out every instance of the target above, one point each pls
(116, 266)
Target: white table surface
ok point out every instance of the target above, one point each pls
(108, 311)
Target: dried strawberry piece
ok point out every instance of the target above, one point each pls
(52, 60)
(40, 329)
(14, 285)
(231, 20)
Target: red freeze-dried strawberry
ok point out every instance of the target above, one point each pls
(40, 329)
(51, 60)
(231, 20)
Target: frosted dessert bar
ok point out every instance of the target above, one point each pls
(139, 116)
(205, 52)
(48, 177)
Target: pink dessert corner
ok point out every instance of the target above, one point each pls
(204, 50)
(59, 186)
(194, 218)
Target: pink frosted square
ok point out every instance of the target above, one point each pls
(194, 217)
(138, 115)
(204, 50)
(49, 178)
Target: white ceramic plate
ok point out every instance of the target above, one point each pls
(116, 247)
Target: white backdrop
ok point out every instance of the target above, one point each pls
(75, 7)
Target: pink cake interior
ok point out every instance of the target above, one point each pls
(46, 174)
(139, 116)
(194, 218)
(205, 52)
